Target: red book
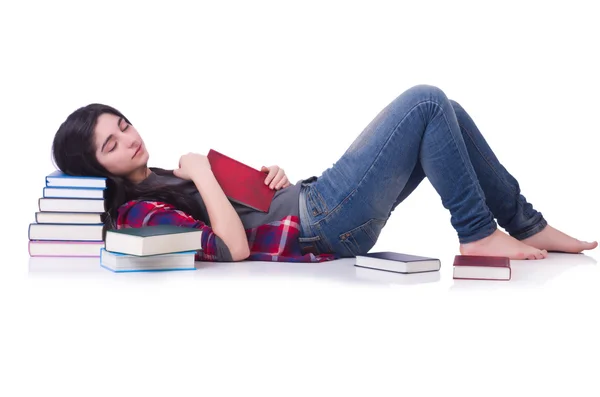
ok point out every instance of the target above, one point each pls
(471, 267)
(240, 182)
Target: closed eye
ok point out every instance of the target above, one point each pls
(119, 124)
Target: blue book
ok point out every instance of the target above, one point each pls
(60, 179)
(121, 263)
(74, 192)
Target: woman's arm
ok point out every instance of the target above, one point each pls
(224, 220)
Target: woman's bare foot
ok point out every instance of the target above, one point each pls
(501, 244)
(551, 239)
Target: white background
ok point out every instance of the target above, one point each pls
(292, 84)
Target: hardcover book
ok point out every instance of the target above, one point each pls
(240, 182)
(74, 192)
(65, 232)
(472, 267)
(48, 204)
(59, 178)
(153, 240)
(398, 262)
(69, 217)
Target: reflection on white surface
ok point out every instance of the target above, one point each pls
(385, 277)
(64, 265)
(532, 273)
(342, 270)
(526, 273)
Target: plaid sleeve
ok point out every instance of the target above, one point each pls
(150, 213)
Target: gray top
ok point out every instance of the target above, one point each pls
(285, 203)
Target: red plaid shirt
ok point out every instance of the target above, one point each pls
(276, 241)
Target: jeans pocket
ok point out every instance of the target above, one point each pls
(314, 202)
(309, 245)
(361, 239)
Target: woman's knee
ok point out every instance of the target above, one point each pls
(455, 105)
(426, 92)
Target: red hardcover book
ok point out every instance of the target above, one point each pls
(240, 182)
(472, 267)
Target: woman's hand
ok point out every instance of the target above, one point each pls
(191, 164)
(276, 178)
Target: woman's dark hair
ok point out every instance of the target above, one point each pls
(74, 153)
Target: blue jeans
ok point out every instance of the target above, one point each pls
(420, 134)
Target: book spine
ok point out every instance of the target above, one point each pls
(63, 256)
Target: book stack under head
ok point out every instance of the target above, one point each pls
(151, 248)
(69, 220)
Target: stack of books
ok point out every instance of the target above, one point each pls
(69, 220)
(151, 248)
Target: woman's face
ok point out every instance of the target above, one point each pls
(119, 148)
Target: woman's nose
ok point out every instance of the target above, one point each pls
(130, 140)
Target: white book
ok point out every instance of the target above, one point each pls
(65, 232)
(68, 217)
(48, 204)
(73, 192)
